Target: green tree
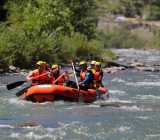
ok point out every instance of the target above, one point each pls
(37, 29)
(154, 10)
(83, 16)
(48, 16)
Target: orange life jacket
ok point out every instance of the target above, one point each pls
(82, 75)
(61, 80)
(40, 78)
(98, 79)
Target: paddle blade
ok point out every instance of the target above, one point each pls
(19, 93)
(15, 84)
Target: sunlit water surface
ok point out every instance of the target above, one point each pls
(137, 118)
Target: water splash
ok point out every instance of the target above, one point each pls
(147, 97)
(123, 129)
(117, 92)
(118, 80)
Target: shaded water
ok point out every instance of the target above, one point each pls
(137, 119)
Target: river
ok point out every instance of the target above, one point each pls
(137, 117)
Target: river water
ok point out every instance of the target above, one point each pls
(137, 117)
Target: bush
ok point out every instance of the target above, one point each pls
(121, 37)
(45, 30)
(22, 50)
(25, 50)
(152, 12)
(78, 46)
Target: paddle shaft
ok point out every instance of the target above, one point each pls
(38, 76)
(59, 77)
(75, 75)
(18, 83)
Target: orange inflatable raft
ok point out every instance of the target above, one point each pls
(44, 93)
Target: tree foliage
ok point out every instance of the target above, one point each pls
(39, 29)
(83, 16)
(131, 8)
(121, 37)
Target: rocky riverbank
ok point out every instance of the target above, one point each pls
(141, 60)
(13, 69)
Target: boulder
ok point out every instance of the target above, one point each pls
(149, 69)
(114, 69)
(12, 68)
(137, 64)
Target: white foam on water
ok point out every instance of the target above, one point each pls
(153, 76)
(60, 132)
(40, 132)
(95, 105)
(21, 102)
(17, 101)
(81, 131)
(153, 84)
(153, 58)
(75, 126)
(32, 135)
(119, 80)
(112, 100)
(59, 103)
(117, 92)
(135, 108)
(147, 97)
(142, 117)
(69, 108)
(40, 104)
(123, 129)
(64, 103)
(15, 135)
(153, 135)
(64, 126)
(131, 108)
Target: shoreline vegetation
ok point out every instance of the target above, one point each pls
(58, 31)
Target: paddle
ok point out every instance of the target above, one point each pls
(80, 95)
(59, 77)
(15, 84)
(19, 93)
(18, 83)
(75, 75)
